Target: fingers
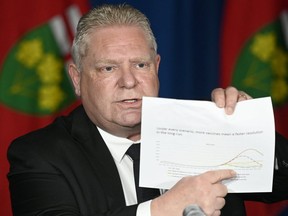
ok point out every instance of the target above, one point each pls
(216, 210)
(218, 96)
(217, 190)
(220, 189)
(217, 213)
(225, 98)
(214, 204)
(220, 203)
(231, 99)
(205, 190)
(228, 98)
(216, 176)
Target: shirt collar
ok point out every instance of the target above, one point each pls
(116, 145)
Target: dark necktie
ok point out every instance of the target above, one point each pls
(143, 194)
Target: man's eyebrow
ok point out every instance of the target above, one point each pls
(106, 61)
(141, 59)
(132, 60)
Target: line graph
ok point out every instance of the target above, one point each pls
(247, 159)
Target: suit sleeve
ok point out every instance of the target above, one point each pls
(37, 187)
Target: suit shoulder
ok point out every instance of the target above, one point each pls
(50, 137)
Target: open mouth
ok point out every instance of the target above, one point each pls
(130, 100)
(131, 103)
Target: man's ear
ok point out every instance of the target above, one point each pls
(75, 76)
(158, 58)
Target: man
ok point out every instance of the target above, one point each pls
(77, 165)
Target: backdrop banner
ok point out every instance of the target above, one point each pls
(254, 58)
(34, 86)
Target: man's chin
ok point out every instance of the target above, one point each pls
(131, 123)
(131, 119)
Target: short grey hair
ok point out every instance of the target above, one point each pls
(104, 16)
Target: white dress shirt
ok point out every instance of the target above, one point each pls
(118, 147)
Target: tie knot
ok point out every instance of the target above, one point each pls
(134, 152)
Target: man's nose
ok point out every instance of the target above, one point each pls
(127, 78)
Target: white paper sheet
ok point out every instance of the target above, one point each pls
(184, 137)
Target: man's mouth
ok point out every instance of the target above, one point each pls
(130, 100)
(131, 103)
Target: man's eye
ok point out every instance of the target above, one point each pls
(107, 69)
(142, 65)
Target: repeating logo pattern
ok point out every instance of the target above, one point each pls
(262, 66)
(33, 77)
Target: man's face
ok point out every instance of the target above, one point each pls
(120, 67)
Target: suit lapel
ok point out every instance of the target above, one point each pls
(100, 157)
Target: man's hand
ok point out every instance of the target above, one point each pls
(227, 98)
(205, 190)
